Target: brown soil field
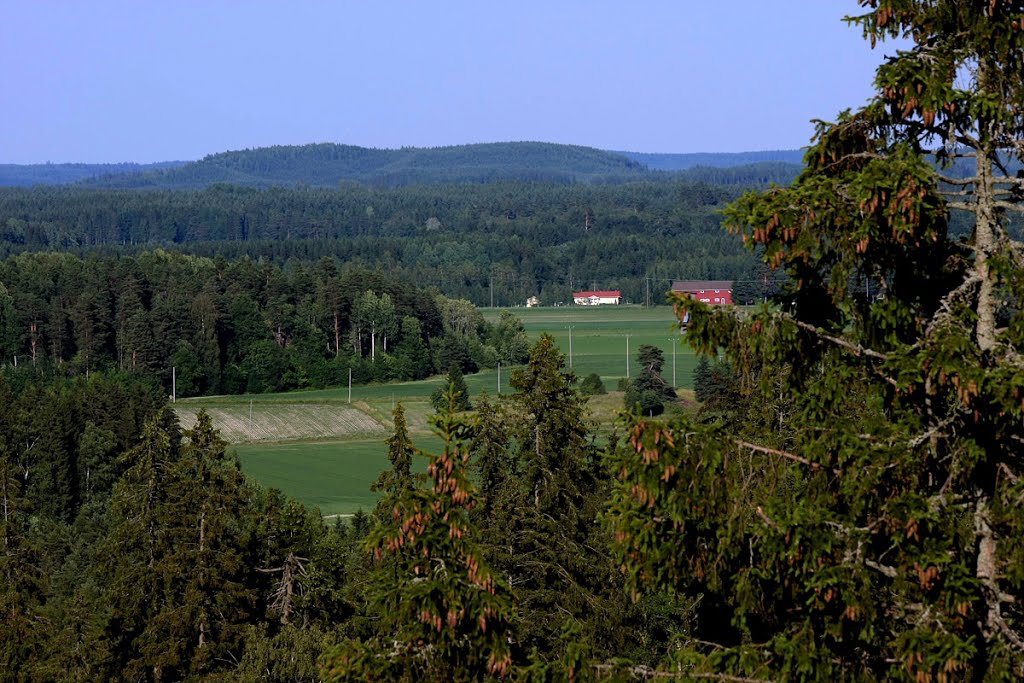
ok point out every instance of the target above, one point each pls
(284, 421)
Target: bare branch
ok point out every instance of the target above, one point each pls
(1008, 472)
(855, 349)
(1012, 636)
(847, 157)
(782, 454)
(1008, 206)
(934, 431)
(964, 289)
(884, 569)
(766, 519)
(648, 673)
(957, 181)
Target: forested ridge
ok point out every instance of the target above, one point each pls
(327, 165)
(27, 175)
(332, 165)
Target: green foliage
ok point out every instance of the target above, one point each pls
(649, 391)
(514, 239)
(177, 591)
(23, 583)
(224, 327)
(508, 337)
(718, 389)
(392, 483)
(861, 532)
(327, 165)
(592, 385)
(453, 394)
(443, 612)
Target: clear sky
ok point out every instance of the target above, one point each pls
(154, 80)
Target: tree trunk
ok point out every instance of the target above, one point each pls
(985, 243)
(337, 335)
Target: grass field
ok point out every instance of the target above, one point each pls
(332, 475)
(325, 451)
(605, 338)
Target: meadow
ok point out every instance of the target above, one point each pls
(325, 448)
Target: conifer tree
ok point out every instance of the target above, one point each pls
(445, 615)
(393, 482)
(544, 531)
(455, 384)
(177, 587)
(876, 533)
(22, 581)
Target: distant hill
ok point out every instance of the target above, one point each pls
(331, 165)
(27, 175)
(682, 162)
(748, 175)
(327, 165)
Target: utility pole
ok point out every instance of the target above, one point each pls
(570, 347)
(647, 283)
(499, 378)
(174, 384)
(492, 291)
(627, 356)
(675, 342)
(350, 385)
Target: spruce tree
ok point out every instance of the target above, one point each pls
(876, 532)
(453, 389)
(544, 530)
(443, 612)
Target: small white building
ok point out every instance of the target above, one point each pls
(532, 301)
(597, 298)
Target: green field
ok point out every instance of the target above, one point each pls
(601, 336)
(332, 475)
(332, 464)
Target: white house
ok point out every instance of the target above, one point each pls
(597, 298)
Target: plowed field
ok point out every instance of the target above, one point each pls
(284, 421)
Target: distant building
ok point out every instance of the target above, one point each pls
(596, 298)
(532, 301)
(714, 292)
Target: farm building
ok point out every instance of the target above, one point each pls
(706, 291)
(532, 301)
(596, 298)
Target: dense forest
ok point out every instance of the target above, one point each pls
(497, 243)
(236, 326)
(27, 175)
(329, 165)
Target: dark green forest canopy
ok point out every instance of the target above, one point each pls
(27, 175)
(331, 165)
(327, 165)
(234, 326)
(498, 243)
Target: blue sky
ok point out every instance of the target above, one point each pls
(157, 80)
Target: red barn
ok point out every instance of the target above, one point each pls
(714, 292)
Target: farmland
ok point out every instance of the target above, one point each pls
(324, 449)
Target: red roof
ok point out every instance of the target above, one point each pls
(604, 295)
